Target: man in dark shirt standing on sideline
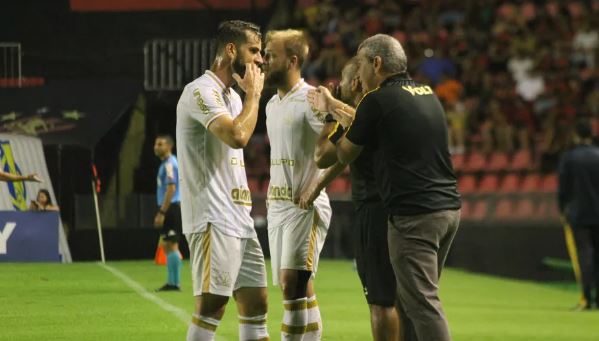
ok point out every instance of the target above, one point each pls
(405, 124)
(578, 197)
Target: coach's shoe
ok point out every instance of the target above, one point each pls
(169, 287)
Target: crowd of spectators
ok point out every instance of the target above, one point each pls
(512, 75)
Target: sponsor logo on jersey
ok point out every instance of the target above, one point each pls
(16, 189)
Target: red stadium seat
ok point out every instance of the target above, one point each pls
(467, 184)
(510, 184)
(525, 209)
(504, 209)
(457, 161)
(338, 186)
(488, 184)
(466, 210)
(531, 183)
(475, 162)
(479, 210)
(549, 184)
(522, 160)
(498, 161)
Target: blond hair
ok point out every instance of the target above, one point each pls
(294, 42)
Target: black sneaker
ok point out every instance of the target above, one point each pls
(169, 287)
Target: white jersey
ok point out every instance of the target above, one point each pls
(213, 182)
(293, 130)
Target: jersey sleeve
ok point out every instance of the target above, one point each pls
(336, 133)
(208, 104)
(368, 116)
(171, 172)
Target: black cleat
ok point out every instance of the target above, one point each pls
(169, 287)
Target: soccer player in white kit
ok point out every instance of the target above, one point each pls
(212, 126)
(295, 235)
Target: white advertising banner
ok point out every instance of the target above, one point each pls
(25, 155)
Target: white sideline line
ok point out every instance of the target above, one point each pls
(138, 288)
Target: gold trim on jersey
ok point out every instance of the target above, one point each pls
(216, 79)
(206, 255)
(200, 102)
(312, 243)
(294, 89)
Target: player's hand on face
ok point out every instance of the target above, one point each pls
(252, 81)
(320, 98)
(159, 220)
(345, 118)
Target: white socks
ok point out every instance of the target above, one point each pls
(253, 328)
(202, 328)
(295, 319)
(314, 325)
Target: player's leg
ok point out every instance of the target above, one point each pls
(215, 260)
(251, 293)
(298, 246)
(173, 263)
(375, 271)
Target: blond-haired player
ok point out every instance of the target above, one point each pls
(296, 236)
(212, 126)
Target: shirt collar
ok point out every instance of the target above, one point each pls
(398, 77)
(217, 80)
(293, 89)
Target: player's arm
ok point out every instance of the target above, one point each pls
(359, 131)
(4, 176)
(306, 199)
(321, 99)
(236, 132)
(325, 153)
(168, 197)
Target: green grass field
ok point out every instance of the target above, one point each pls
(84, 301)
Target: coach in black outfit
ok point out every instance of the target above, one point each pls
(405, 124)
(578, 197)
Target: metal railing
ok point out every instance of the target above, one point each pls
(10, 62)
(169, 64)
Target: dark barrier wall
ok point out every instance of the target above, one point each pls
(503, 249)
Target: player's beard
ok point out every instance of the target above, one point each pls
(276, 78)
(238, 67)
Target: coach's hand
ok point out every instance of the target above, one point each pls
(159, 220)
(345, 116)
(253, 80)
(306, 199)
(320, 98)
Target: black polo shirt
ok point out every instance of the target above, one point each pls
(405, 126)
(363, 185)
(578, 192)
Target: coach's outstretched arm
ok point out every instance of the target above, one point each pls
(236, 132)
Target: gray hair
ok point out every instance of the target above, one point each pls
(389, 49)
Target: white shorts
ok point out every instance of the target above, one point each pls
(296, 238)
(221, 264)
